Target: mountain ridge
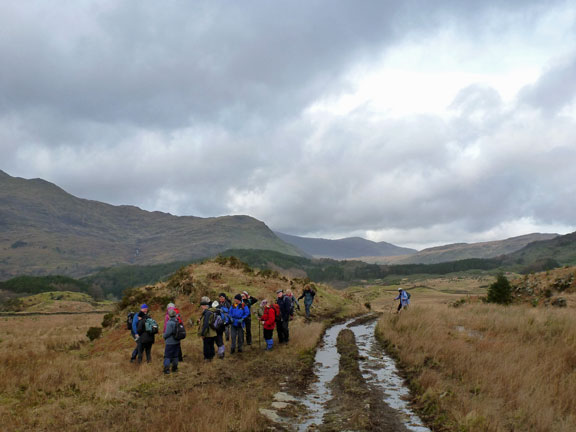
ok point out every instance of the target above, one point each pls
(46, 230)
(345, 248)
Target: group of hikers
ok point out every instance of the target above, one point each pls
(221, 319)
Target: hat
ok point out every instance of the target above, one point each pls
(399, 289)
(171, 312)
(205, 301)
(170, 305)
(215, 304)
(144, 306)
(246, 293)
(280, 291)
(222, 295)
(238, 297)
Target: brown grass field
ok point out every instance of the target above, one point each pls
(482, 367)
(54, 379)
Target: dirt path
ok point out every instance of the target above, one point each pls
(356, 405)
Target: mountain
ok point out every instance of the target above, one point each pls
(345, 248)
(460, 251)
(561, 249)
(45, 230)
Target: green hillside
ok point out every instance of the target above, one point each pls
(44, 230)
(561, 249)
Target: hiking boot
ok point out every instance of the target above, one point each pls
(174, 369)
(233, 350)
(239, 350)
(166, 371)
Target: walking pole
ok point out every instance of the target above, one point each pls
(259, 334)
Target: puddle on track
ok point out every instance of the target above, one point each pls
(378, 369)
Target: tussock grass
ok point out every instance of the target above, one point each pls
(53, 378)
(489, 368)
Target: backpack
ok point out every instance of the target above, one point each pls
(277, 312)
(180, 331)
(151, 326)
(129, 320)
(408, 294)
(216, 322)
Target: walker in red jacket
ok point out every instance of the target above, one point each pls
(269, 323)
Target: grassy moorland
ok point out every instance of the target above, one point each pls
(484, 367)
(55, 379)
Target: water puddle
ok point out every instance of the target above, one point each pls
(378, 369)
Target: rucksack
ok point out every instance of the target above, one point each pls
(216, 322)
(129, 320)
(408, 294)
(277, 312)
(151, 326)
(180, 331)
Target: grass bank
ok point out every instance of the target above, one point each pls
(488, 368)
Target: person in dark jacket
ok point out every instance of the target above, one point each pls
(172, 347)
(238, 312)
(308, 296)
(225, 305)
(207, 333)
(219, 333)
(145, 338)
(268, 319)
(284, 305)
(248, 301)
(134, 331)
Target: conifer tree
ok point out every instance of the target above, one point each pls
(500, 291)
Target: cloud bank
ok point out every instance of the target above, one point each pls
(267, 109)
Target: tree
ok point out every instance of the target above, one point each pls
(500, 291)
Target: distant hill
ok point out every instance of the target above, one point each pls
(561, 249)
(45, 230)
(345, 248)
(460, 251)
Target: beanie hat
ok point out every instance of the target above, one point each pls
(238, 297)
(222, 295)
(170, 305)
(399, 289)
(205, 301)
(144, 306)
(279, 291)
(171, 312)
(215, 304)
(246, 293)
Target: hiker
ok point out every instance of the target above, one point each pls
(225, 305)
(268, 319)
(167, 316)
(248, 301)
(131, 320)
(283, 321)
(308, 296)
(238, 312)
(179, 318)
(205, 331)
(172, 347)
(293, 302)
(404, 298)
(145, 333)
(220, 332)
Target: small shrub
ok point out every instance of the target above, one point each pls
(94, 333)
(108, 320)
(500, 291)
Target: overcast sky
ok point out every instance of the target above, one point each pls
(415, 122)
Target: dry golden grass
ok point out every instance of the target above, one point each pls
(487, 367)
(54, 379)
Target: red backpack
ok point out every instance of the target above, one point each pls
(277, 312)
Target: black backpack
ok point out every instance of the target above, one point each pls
(129, 320)
(180, 332)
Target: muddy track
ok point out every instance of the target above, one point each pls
(356, 405)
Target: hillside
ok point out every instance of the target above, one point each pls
(345, 248)
(57, 302)
(561, 249)
(460, 251)
(45, 230)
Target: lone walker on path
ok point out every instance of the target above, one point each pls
(308, 296)
(404, 298)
